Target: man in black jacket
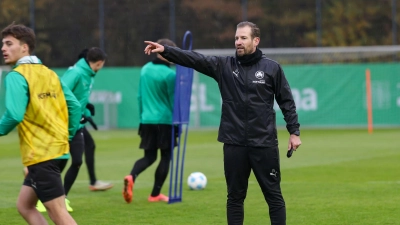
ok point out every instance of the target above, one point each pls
(248, 83)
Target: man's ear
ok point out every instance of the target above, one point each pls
(25, 48)
(256, 41)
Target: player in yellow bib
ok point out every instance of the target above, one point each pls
(47, 115)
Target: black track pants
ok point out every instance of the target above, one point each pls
(238, 163)
(89, 155)
(76, 148)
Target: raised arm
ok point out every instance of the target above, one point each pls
(208, 65)
(153, 47)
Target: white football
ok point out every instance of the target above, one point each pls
(197, 181)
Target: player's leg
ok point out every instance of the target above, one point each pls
(39, 205)
(164, 132)
(90, 146)
(150, 156)
(58, 212)
(148, 142)
(148, 134)
(51, 193)
(266, 168)
(160, 176)
(89, 155)
(44, 182)
(237, 171)
(26, 205)
(77, 147)
(62, 164)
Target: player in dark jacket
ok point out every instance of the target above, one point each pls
(249, 83)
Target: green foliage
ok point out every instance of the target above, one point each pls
(356, 23)
(64, 28)
(345, 177)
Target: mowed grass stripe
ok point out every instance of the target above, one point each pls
(336, 177)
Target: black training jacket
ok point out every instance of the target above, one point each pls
(248, 117)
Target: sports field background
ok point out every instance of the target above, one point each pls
(337, 177)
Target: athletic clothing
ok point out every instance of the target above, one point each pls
(79, 79)
(90, 147)
(150, 156)
(82, 143)
(45, 180)
(239, 161)
(156, 136)
(63, 162)
(45, 114)
(156, 93)
(45, 123)
(156, 102)
(17, 98)
(248, 89)
(77, 147)
(248, 85)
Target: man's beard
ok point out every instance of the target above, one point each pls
(244, 51)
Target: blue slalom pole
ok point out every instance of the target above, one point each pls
(183, 90)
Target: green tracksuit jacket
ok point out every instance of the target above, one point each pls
(156, 93)
(79, 79)
(17, 99)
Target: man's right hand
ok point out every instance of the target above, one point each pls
(294, 142)
(153, 47)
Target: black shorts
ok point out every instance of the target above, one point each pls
(45, 179)
(156, 136)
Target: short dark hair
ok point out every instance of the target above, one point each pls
(95, 54)
(83, 53)
(255, 31)
(22, 33)
(166, 41)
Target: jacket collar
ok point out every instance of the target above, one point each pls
(31, 59)
(85, 66)
(248, 60)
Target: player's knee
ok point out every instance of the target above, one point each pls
(166, 160)
(20, 208)
(237, 196)
(76, 163)
(24, 209)
(166, 154)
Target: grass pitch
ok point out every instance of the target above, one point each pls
(337, 177)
